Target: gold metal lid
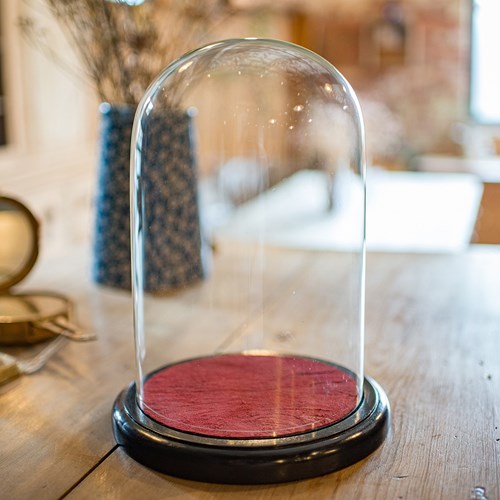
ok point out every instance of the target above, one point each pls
(27, 318)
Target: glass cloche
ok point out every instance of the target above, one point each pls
(248, 269)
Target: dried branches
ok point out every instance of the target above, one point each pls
(123, 47)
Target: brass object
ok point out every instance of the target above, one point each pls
(11, 367)
(27, 318)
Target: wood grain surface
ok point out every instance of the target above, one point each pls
(487, 229)
(432, 342)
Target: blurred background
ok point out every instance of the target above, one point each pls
(425, 72)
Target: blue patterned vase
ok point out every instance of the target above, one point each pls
(173, 249)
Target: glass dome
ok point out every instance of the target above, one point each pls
(248, 260)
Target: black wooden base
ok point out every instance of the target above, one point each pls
(252, 461)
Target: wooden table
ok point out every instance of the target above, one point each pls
(487, 229)
(432, 341)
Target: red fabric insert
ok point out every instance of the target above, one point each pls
(247, 396)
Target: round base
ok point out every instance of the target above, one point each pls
(252, 461)
(249, 396)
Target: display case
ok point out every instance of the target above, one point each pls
(248, 329)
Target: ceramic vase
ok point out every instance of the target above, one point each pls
(174, 243)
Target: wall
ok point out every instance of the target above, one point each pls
(50, 112)
(51, 126)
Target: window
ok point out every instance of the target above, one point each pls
(484, 94)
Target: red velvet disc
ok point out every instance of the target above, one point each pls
(249, 396)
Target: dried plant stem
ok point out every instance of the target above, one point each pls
(123, 47)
